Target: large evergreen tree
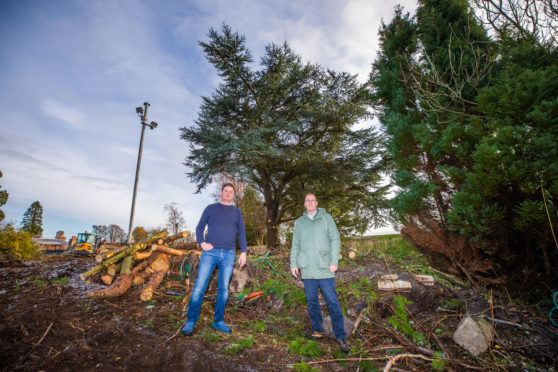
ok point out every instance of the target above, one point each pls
(288, 129)
(472, 130)
(33, 220)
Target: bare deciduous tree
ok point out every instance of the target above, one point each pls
(175, 220)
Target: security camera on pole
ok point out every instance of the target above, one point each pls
(142, 113)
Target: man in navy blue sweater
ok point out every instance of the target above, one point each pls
(224, 223)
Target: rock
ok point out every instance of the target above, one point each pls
(276, 303)
(239, 279)
(473, 336)
(328, 328)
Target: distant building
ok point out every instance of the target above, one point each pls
(48, 246)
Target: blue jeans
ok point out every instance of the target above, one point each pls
(330, 295)
(223, 259)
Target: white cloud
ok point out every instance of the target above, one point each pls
(63, 112)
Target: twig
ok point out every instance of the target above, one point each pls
(37, 344)
(401, 356)
(357, 321)
(44, 335)
(509, 324)
(449, 276)
(177, 332)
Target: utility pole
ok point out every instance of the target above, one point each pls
(142, 113)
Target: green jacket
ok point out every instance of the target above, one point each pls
(316, 245)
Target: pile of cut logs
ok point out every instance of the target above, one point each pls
(146, 262)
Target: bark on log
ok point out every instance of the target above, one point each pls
(134, 248)
(114, 269)
(101, 256)
(180, 235)
(139, 267)
(176, 252)
(117, 288)
(154, 282)
(127, 265)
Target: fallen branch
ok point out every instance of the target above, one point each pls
(394, 359)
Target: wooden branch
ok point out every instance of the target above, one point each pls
(393, 360)
(358, 320)
(180, 235)
(175, 252)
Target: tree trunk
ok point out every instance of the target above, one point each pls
(271, 221)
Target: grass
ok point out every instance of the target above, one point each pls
(241, 344)
(60, 281)
(305, 348)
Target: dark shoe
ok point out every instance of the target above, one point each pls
(221, 326)
(344, 346)
(188, 329)
(317, 335)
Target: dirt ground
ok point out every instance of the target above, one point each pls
(47, 324)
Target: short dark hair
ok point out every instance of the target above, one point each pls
(228, 184)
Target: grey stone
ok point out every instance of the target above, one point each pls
(328, 328)
(473, 336)
(239, 280)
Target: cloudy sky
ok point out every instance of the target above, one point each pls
(72, 73)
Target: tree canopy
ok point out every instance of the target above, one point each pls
(287, 128)
(473, 134)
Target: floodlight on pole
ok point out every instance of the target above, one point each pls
(142, 113)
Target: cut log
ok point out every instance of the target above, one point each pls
(154, 282)
(176, 252)
(114, 269)
(161, 263)
(101, 256)
(425, 280)
(392, 285)
(180, 235)
(107, 278)
(142, 255)
(117, 288)
(134, 248)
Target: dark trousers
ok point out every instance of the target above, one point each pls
(329, 292)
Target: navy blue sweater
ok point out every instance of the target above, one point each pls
(224, 223)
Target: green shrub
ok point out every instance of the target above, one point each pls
(17, 243)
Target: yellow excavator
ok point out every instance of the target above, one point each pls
(86, 244)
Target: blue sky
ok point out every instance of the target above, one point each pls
(72, 73)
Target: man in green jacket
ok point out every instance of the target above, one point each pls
(315, 254)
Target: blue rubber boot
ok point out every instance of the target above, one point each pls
(188, 329)
(221, 326)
